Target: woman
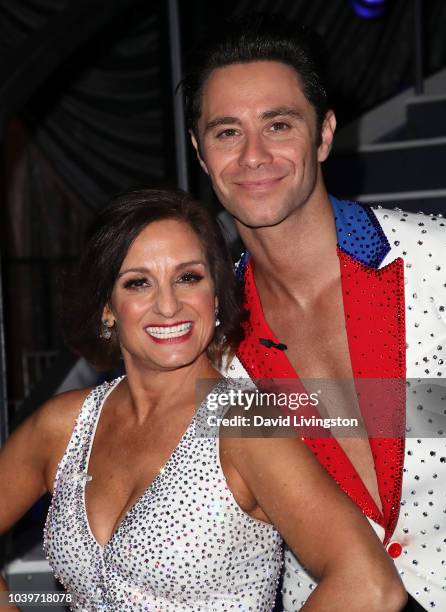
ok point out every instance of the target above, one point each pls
(145, 515)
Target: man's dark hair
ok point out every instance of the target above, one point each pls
(259, 37)
(109, 238)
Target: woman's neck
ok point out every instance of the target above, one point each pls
(149, 390)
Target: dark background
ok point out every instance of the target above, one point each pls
(87, 110)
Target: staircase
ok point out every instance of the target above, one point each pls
(396, 155)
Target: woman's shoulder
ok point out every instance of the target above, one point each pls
(57, 416)
(43, 436)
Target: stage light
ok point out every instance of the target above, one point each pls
(369, 9)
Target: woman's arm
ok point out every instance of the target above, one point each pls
(29, 458)
(6, 607)
(22, 470)
(325, 530)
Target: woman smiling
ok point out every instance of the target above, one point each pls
(145, 514)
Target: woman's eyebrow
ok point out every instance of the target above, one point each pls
(193, 262)
(142, 270)
(183, 264)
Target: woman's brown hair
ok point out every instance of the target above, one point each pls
(108, 240)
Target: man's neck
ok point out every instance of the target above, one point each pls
(298, 256)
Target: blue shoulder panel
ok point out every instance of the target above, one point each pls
(359, 232)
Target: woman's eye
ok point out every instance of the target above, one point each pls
(136, 283)
(190, 278)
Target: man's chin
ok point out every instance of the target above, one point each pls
(259, 221)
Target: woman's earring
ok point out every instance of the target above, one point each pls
(217, 320)
(105, 332)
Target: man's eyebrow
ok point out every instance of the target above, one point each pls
(282, 111)
(221, 121)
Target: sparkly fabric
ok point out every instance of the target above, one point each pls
(184, 546)
(375, 323)
(420, 240)
(394, 292)
(385, 359)
(358, 232)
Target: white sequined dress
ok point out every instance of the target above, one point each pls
(185, 545)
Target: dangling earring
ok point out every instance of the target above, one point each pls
(217, 320)
(105, 332)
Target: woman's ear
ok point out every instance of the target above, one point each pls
(107, 315)
(217, 320)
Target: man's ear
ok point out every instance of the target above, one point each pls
(198, 152)
(327, 136)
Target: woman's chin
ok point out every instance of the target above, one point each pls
(170, 362)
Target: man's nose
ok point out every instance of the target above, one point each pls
(167, 303)
(254, 152)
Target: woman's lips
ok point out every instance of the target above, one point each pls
(169, 334)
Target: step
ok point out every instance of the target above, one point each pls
(428, 202)
(35, 576)
(426, 117)
(391, 167)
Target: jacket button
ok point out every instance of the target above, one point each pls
(394, 549)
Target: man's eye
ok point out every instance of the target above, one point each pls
(229, 133)
(136, 283)
(279, 126)
(190, 278)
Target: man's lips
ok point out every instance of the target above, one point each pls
(258, 184)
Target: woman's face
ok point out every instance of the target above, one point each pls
(163, 300)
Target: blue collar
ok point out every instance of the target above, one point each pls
(358, 233)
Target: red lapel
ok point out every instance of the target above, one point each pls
(374, 313)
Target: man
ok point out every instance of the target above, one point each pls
(334, 289)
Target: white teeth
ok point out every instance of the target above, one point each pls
(175, 331)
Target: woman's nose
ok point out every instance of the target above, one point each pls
(167, 303)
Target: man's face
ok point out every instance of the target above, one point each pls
(258, 141)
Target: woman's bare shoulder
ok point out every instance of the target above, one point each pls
(57, 416)
(38, 443)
